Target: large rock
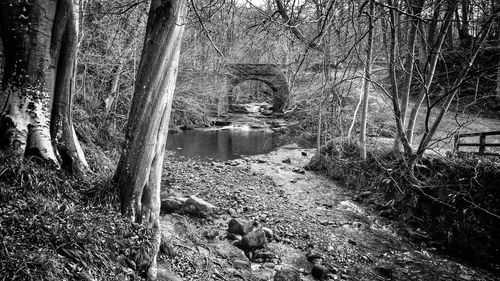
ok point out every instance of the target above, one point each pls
(197, 206)
(319, 271)
(172, 204)
(253, 240)
(222, 123)
(238, 108)
(230, 252)
(240, 226)
(287, 275)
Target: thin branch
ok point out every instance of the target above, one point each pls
(205, 29)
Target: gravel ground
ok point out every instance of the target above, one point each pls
(306, 211)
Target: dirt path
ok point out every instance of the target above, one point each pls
(306, 211)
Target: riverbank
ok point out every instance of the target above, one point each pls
(306, 211)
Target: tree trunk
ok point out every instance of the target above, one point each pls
(366, 85)
(139, 170)
(426, 139)
(496, 9)
(40, 42)
(408, 69)
(61, 129)
(429, 69)
(398, 114)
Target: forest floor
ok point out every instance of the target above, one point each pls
(306, 211)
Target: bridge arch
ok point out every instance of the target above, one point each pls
(269, 74)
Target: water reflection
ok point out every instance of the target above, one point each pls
(221, 145)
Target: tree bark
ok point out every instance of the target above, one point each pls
(408, 70)
(62, 130)
(398, 114)
(366, 84)
(496, 10)
(38, 83)
(139, 170)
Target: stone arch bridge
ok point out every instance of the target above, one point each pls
(269, 74)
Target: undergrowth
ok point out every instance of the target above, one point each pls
(455, 199)
(56, 227)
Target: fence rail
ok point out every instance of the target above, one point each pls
(482, 142)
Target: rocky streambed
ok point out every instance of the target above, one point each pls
(264, 218)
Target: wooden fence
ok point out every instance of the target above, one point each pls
(482, 142)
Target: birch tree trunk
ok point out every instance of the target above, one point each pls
(40, 43)
(408, 69)
(139, 170)
(397, 108)
(366, 85)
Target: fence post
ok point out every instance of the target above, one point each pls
(455, 144)
(482, 142)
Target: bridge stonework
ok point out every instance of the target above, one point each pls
(270, 74)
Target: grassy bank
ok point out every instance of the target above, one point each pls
(56, 227)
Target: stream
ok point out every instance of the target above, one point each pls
(307, 210)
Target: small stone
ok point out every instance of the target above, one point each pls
(319, 271)
(265, 255)
(313, 255)
(298, 170)
(269, 232)
(232, 236)
(287, 161)
(287, 275)
(269, 265)
(352, 242)
(232, 212)
(276, 237)
(241, 264)
(304, 153)
(210, 234)
(253, 240)
(240, 226)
